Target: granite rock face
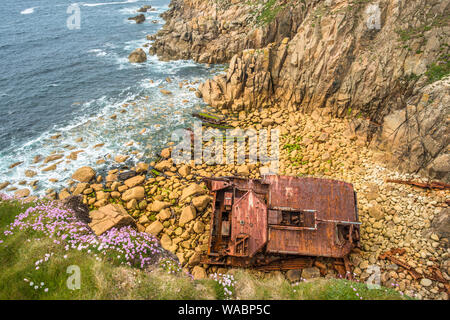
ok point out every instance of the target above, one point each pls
(417, 136)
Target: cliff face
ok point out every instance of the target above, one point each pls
(371, 61)
(214, 31)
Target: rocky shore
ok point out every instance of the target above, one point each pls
(171, 202)
(369, 60)
(327, 81)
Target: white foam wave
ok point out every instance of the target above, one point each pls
(107, 3)
(131, 10)
(28, 11)
(98, 52)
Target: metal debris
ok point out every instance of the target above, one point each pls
(434, 185)
(390, 256)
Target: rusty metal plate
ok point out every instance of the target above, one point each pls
(249, 217)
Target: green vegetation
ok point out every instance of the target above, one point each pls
(102, 277)
(269, 11)
(439, 69)
(208, 116)
(418, 32)
(251, 286)
(296, 157)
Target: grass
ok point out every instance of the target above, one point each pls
(251, 286)
(269, 11)
(438, 71)
(102, 277)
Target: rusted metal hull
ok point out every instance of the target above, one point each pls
(257, 223)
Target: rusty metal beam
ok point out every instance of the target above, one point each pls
(434, 185)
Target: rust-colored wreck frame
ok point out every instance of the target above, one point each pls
(280, 222)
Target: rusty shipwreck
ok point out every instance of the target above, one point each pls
(280, 222)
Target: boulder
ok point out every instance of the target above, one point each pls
(137, 56)
(184, 171)
(294, 275)
(137, 193)
(144, 8)
(157, 206)
(310, 273)
(132, 182)
(140, 18)
(375, 210)
(243, 170)
(126, 175)
(120, 158)
(201, 202)
(155, 228)
(166, 241)
(53, 157)
(199, 227)
(426, 282)
(199, 273)
(164, 215)
(49, 168)
(441, 223)
(30, 173)
(143, 220)
(163, 165)
(3, 185)
(188, 214)
(194, 259)
(165, 153)
(192, 190)
(80, 188)
(22, 193)
(63, 194)
(142, 167)
(84, 174)
(108, 217)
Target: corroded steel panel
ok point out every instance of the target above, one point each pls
(218, 185)
(333, 201)
(274, 217)
(320, 242)
(249, 217)
(330, 198)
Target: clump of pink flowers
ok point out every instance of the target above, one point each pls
(170, 266)
(5, 197)
(52, 220)
(227, 282)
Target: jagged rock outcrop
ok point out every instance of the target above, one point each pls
(420, 132)
(213, 31)
(359, 59)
